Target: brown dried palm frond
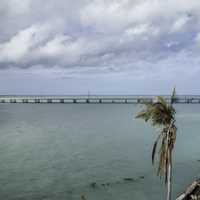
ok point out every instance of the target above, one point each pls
(161, 114)
(165, 152)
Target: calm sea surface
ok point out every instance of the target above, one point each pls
(55, 152)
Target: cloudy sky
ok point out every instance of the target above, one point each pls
(104, 46)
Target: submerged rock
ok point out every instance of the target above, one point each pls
(83, 197)
(93, 184)
(122, 181)
(129, 179)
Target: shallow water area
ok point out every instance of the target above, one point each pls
(56, 151)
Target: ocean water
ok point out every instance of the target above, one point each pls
(56, 152)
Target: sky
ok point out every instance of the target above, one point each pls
(101, 46)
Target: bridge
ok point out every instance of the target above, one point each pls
(95, 99)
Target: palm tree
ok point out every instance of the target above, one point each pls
(162, 115)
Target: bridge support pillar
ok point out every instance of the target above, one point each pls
(13, 101)
(37, 100)
(24, 100)
(49, 100)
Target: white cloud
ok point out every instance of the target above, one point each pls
(141, 31)
(21, 44)
(15, 7)
(54, 47)
(116, 15)
(138, 30)
(99, 34)
(180, 23)
(15, 49)
(19, 7)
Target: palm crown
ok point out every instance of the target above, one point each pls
(162, 115)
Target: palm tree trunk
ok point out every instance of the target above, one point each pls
(169, 169)
(169, 177)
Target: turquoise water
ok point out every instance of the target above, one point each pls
(55, 152)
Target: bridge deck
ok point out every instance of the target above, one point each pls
(95, 99)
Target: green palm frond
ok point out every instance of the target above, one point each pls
(146, 113)
(159, 112)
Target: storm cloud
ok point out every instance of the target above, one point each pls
(120, 39)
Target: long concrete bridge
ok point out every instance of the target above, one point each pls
(96, 99)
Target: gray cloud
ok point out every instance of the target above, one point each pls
(86, 38)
